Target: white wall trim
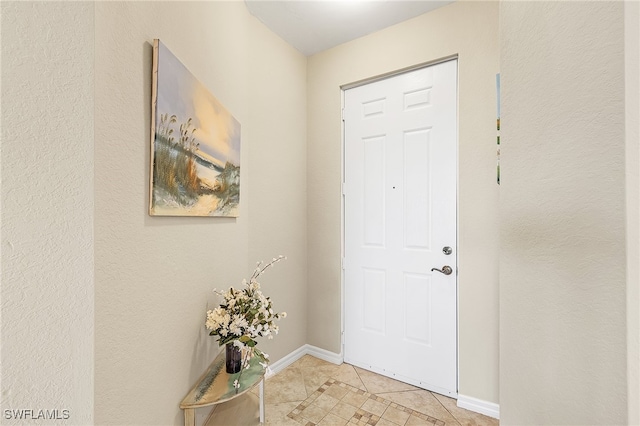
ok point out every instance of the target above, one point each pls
(324, 354)
(287, 360)
(315, 351)
(476, 405)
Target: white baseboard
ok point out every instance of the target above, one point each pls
(289, 359)
(324, 354)
(487, 408)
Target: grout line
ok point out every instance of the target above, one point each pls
(452, 415)
(381, 395)
(304, 385)
(362, 381)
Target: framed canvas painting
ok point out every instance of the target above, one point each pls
(195, 145)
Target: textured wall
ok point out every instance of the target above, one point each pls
(469, 29)
(562, 259)
(155, 275)
(47, 210)
(632, 166)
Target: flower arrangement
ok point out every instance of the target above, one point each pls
(245, 314)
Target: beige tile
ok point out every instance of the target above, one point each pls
(285, 422)
(417, 421)
(347, 374)
(332, 420)
(314, 377)
(314, 413)
(286, 386)
(300, 381)
(337, 391)
(355, 399)
(310, 361)
(422, 401)
(344, 410)
(375, 383)
(385, 422)
(465, 417)
(374, 407)
(326, 402)
(288, 373)
(276, 414)
(399, 417)
(365, 417)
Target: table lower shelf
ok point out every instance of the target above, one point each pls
(242, 411)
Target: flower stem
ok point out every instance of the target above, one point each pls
(259, 271)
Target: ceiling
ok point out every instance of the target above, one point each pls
(312, 26)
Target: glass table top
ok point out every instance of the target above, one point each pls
(216, 385)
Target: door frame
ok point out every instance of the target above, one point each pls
(363, 82)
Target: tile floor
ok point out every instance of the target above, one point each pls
(314, 392)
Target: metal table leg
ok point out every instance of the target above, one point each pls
(261, 391)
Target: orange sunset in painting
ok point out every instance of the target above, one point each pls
(195, 152)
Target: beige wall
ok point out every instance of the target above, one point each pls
(469, 29)
(277, 194)
(154, 276)
(47, 210)
(632, 166)
(562, 259)
(565, 336)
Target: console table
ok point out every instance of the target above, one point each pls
(216, 386)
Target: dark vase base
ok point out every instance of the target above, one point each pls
(233, 358)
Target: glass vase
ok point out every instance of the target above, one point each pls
(234, 358)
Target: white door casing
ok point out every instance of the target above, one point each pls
(400, 148)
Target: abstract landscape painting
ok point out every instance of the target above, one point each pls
(195, 145)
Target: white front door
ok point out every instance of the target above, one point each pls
(400, 222)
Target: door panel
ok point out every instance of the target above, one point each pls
(400, 211)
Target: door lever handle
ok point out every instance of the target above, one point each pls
(446, 269)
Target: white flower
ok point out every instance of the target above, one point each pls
(238, 325)
(245, 313)
(236, 384)
(217, 318)
(255, 286)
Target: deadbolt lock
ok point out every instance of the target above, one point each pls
(447, 250)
